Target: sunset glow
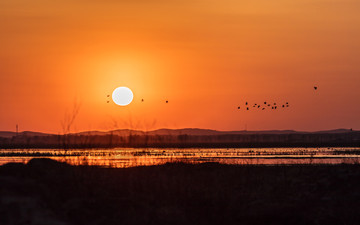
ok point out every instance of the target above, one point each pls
(207, 58)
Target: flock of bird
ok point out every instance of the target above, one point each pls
(266, 105)
(247, 106)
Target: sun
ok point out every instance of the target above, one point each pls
(122, 96)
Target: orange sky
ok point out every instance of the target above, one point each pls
(205, 56)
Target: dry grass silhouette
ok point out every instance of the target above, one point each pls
(180, 194)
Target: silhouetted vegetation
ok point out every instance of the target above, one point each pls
(346, 139)
(49, 192)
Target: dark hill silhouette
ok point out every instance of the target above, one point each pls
(9, 134)
(182, 138)
(337, 131)
(184, 131)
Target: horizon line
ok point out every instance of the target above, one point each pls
(178, 129)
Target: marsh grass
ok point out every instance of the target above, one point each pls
(179, 193)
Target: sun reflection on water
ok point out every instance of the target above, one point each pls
(129, 157)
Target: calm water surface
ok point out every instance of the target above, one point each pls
(128, 157)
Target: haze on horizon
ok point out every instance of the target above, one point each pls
(205, 57)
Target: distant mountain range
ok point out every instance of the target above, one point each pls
(171, 132)
(9, 134)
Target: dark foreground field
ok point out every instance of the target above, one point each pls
(48, 192)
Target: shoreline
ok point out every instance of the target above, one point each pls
(257, 140)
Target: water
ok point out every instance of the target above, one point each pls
(129, 157)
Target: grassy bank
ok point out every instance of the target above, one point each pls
(48, 192)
